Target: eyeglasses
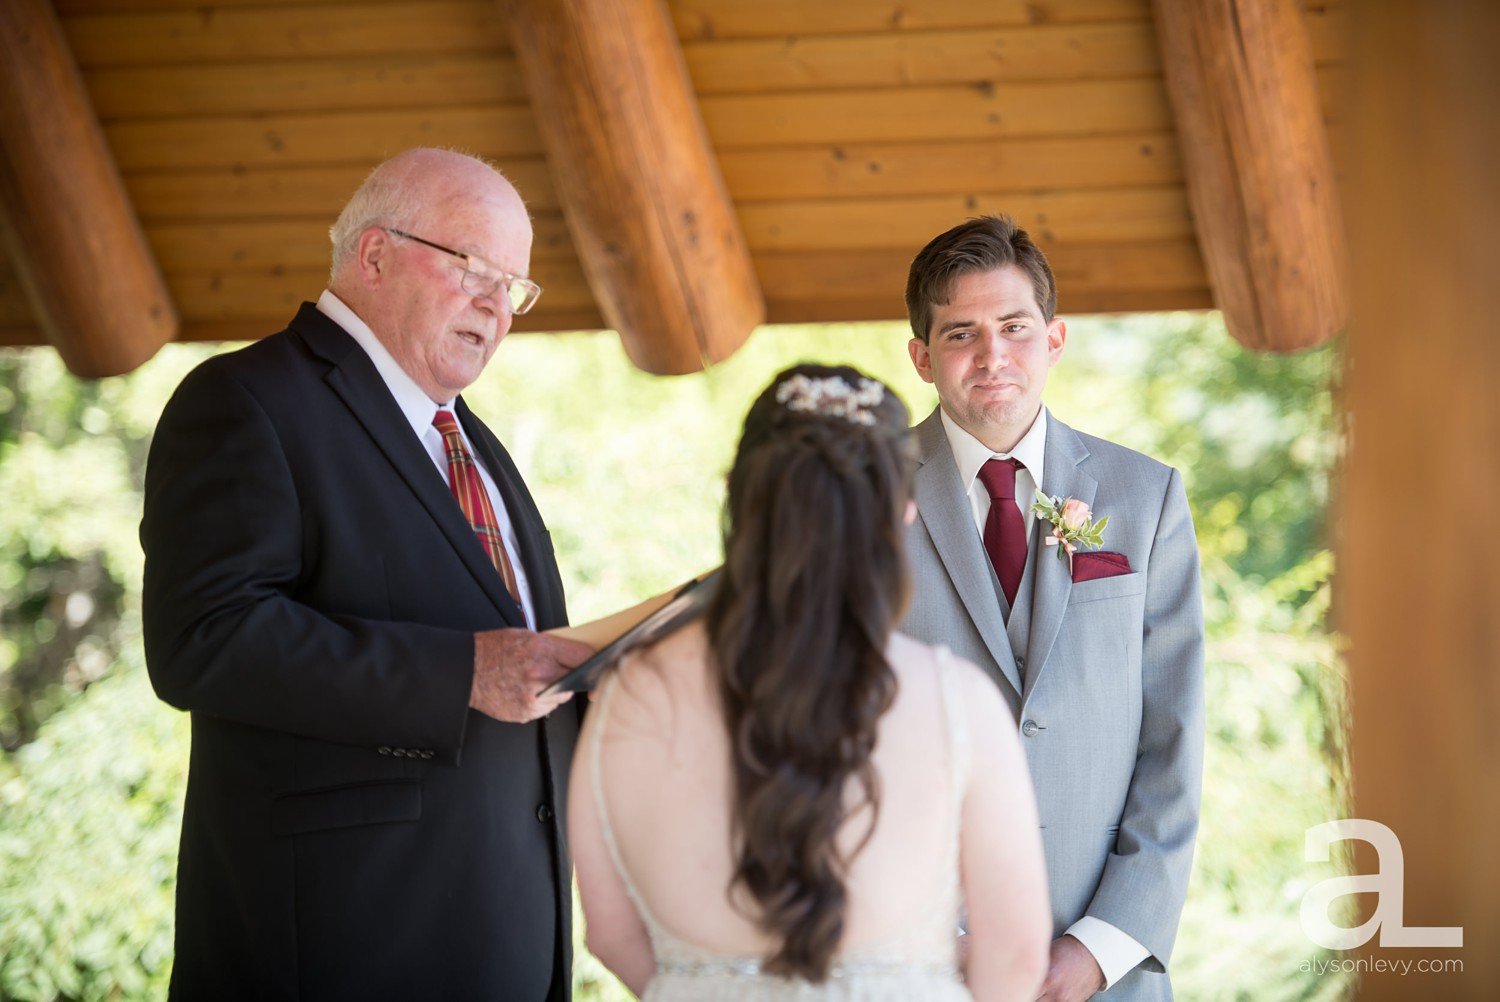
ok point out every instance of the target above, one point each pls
(483, 279)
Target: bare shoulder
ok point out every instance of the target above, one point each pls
(656, 676)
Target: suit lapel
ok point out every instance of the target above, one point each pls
(524, 516)
(354, 378)
(1053, 583)
(945, 512)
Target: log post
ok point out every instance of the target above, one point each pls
(68, 223)
(1417, 586)
(639, 184)
(1259, 171)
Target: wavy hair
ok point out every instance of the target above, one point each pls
(814, 582)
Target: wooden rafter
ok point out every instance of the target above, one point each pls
(1260, 174)
(73, 237)
(639, 184)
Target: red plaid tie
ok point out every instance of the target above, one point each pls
(1005, 528)
(473, 499)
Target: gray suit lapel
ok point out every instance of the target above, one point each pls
(944, 510)
(1052, 581)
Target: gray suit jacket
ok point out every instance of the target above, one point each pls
(1105, 678)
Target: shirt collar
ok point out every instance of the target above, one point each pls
(970, 453)
(414, 402)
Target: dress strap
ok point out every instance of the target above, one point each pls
(600, 711)
(958, 736)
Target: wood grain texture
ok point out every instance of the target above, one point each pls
(770, 18)
(1260, 174)
(641, 190)
(77, 249)
(1420, 604)
(211, 33)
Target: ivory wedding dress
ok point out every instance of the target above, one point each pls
(917, 963)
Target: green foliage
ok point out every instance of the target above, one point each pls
(628, 469)
(72, 455)
(88, 843)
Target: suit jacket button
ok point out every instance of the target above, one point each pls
(1030, 727)
(427, 753)
(544, 814)
(1021, 663)
(399, 752)
(384, 750)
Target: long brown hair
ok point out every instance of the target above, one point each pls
(814, 582)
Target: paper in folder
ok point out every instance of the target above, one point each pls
(642, 624)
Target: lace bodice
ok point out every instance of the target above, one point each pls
(917, 963)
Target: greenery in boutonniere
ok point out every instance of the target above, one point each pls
(1072, 523)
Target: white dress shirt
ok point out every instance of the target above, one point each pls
(1116, 951)
(419, 410)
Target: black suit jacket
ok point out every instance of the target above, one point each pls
(352, 829)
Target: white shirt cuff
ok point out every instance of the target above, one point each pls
(1116, 952)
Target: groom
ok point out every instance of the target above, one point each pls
(1100, 654)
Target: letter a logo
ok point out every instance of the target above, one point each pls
(1388, 884)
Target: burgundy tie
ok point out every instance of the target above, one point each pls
(1005, 528)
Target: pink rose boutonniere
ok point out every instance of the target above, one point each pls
(1072, 524)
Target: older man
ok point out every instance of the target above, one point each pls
(343, 573)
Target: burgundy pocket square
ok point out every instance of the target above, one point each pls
(1098, 564)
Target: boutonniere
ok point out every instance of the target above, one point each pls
(1072, 523)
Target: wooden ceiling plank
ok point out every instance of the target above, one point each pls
(97, 294)
(321, 85)
(701, 19)
(237, 142)
(294, 192)
(207, 34)
(650, 217)
(71, 8)
(1040, 52)
(1110, 50)
(863, 170)
(1259, 168)
(1112, 215)
(808, 275)
(949, 111)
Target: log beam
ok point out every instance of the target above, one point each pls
(87, 270)
(639, 185)
(1259, 171)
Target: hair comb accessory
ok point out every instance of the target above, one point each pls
(832, 396)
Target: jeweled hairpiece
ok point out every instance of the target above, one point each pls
(832, 396)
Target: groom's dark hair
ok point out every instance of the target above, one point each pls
(980, 244)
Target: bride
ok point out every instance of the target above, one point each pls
(787, 799)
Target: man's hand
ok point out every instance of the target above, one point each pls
(512, 666)
(1072, 972)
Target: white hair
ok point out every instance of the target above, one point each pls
(389, 197)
